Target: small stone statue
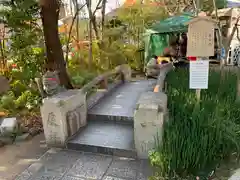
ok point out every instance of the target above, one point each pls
(51, 83)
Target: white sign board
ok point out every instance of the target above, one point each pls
(199, 72)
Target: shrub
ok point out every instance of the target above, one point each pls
(78, 80)
(27, 99)
(81, 78)
(18, 87)
(7, 102)
(198, 136)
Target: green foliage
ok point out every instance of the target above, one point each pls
(82, 78)
(199, 136)
(25, 49)
(114, 23)
(79, 76)
(17, 87)
(15, 104)
(7, 101)
(27, 99)
(209, 6)
(21, 17)
(78, 80)
(125, 40)
(141, 16)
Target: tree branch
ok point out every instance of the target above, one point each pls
(97, 7)
(70, 30)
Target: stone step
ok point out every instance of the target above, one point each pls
(110, 122)
(114, 118)
(105, 137)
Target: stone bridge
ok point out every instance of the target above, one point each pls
(120, 118)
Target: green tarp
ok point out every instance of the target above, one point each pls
(158, 43)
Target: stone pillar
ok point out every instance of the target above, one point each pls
(148, 121)
(63, 115)
(127, 72)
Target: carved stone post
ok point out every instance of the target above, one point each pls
(149, 116)
(63, 115)
(126, 70)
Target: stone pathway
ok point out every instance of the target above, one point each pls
(58, 164)
(236, 175)
(15, 158)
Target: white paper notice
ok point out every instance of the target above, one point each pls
(199, 72)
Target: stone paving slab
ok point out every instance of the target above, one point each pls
(59, 164)
(125, 169)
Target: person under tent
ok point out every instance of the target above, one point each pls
(154, 66)
(171, 51)
(183, 45)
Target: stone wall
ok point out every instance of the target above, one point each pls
(63, 115)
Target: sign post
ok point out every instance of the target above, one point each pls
(201, 46)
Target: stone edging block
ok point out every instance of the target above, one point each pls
(153, 100)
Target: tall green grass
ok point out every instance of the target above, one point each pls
(198, 136)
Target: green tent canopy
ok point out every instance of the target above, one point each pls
(173, 24)
(156, 38)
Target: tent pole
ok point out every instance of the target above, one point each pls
(197, 7)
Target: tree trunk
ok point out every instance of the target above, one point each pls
(55, 58)
(90, 57)
(103, 16)
(92, 17)
(70, 31)
(2, 50)
(77, 25)
(90, 60)
(95, 28)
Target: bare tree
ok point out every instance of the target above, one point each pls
(71, 28)
(92, 16)
(93, 25)
(104, 2)
(76, 8)
(2, 43)
(90, 56)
